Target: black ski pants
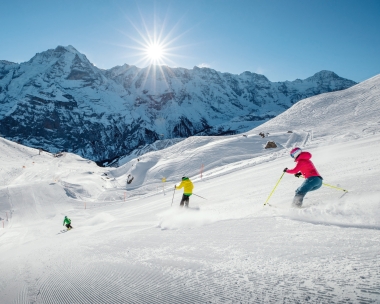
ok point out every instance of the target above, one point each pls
(185, 200)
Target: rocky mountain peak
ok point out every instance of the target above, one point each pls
(60, 101)
(323, 75)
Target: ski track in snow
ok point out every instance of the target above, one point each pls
(129, 245)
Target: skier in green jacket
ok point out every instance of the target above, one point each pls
(67, 222)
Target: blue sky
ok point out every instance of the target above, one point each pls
(282, 39)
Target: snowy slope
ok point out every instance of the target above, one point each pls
(350, 113)
(129, 245)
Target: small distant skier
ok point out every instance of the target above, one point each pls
(67, 222)
(187, 191)
(305, 167)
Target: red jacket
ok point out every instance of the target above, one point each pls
(304, 165)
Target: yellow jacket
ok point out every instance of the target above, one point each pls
(187, 185)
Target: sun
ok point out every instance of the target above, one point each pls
(155, 52)
(157, 43)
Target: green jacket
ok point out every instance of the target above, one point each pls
(66, 221)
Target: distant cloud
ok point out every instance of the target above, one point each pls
(203, 65)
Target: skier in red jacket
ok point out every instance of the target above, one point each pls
(305, 167)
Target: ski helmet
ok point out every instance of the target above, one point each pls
(295, 152)
(184, 177)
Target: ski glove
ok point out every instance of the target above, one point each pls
(286, 169)
(298, 174)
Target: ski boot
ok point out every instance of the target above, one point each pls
(297, 201)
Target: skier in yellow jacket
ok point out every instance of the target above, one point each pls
(187, 191)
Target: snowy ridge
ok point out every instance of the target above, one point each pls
(350, 113)
(157, 145)
(60, 101)
(129, 245)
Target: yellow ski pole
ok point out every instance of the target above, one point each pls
(334, 187)
(273, 189)
(330, 185)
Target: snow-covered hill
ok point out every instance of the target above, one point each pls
(350, 113)
(60, 101)
(131, 243)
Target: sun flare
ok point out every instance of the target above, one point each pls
(155, 52)
(157, 43)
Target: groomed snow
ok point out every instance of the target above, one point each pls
(129, 245)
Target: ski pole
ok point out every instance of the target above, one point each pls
(173, 197)
(273, 189)
(334, 187)
(200, 196)
(331, 186)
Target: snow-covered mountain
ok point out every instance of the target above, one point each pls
(60, 101)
